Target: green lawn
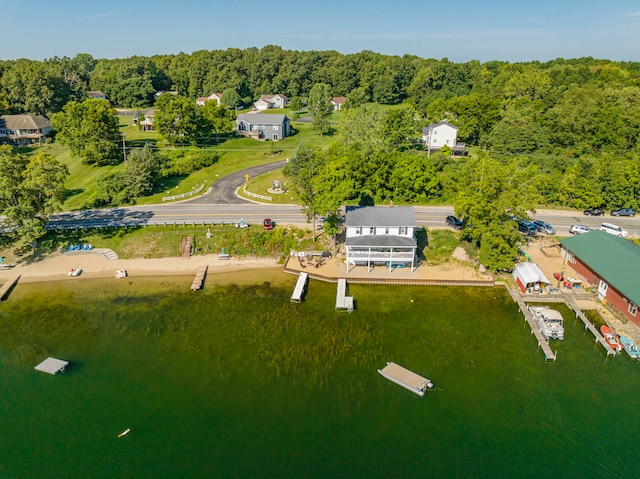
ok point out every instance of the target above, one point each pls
(163, 241)
(236, 154)
(260, 185)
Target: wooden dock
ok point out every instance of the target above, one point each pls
(198, 281)
(7, 287)
(549, 355)
(300, 288)
(571, 304)
(343, 302)
(590, 326)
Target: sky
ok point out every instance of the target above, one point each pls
(513, 31)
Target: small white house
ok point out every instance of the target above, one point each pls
(338, 102)
(437, 135)
(381, 235)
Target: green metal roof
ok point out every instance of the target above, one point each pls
(614, 259)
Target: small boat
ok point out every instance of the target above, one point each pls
(75, 272)
(611, 337)
(549, 321)
(121, 273)
(630, 347)
(124, 433)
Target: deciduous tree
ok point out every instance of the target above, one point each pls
(30, 191)
(91, 131)
(320, 108)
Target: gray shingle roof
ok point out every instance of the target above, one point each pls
(614, 259)
(262, 118)
(381, 216)
(24, 122)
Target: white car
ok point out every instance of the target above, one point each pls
(613, 230)
(579, 229)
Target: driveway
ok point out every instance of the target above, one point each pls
(223, 191)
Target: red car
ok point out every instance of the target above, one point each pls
(268, 224)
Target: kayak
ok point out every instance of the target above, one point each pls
(124, 433)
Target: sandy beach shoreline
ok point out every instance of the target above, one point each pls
(57, 266)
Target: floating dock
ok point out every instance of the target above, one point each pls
(7, 287)
(52, 366)
(343, 302)
(405, 378)
(198, 281)
(300, 288)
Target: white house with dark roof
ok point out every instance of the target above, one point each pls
(261, 126)
(437, 135)
(381, 235)
(23, 129)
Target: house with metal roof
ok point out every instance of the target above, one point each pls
(18, 130)
(262, 126)
(611, 265)
(381, 235)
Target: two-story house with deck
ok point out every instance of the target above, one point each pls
(437, 135)
(19, 130)
(381, 235)
(262, 126)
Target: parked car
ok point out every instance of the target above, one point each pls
(623, 212)
(593, 212)
(454, 222)
(527, 227)
(613, 230)
(543, 227)
(579, 229)
(268, 224)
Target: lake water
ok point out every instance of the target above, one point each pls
(235, 381)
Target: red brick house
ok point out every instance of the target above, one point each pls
(611, 265)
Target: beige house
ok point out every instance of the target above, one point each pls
(217, 97)
(18, 130)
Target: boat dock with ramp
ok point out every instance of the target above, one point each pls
(556, 298)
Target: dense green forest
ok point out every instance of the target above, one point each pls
(563, 132)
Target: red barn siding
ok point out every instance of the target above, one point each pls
(613, 297)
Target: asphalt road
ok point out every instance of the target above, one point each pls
(221, 204)
(222, 192)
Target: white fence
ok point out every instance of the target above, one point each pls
(184, 195)
(254, 195)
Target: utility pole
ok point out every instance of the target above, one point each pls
(124, 150)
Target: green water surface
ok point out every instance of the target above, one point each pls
(236, 381)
